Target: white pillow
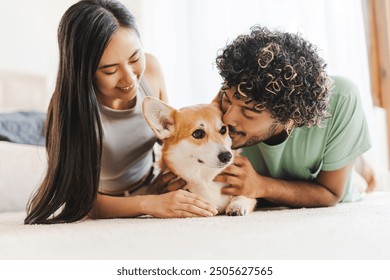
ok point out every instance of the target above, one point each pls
(21, 170)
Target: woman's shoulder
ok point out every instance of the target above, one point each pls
(154, 76)
(152, 63)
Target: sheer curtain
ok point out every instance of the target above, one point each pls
(186, 35)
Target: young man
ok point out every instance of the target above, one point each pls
(301, 130)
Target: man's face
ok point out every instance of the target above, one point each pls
(247, 126)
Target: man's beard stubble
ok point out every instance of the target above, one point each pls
(256, 139)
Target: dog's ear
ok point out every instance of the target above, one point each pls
(217, 101)
(158, 115)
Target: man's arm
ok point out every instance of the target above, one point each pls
(326, 190)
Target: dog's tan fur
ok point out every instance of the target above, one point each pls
(196, 159)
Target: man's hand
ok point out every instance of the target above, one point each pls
(167, 182)
(241, 178)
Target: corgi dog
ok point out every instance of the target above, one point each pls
(196, 147)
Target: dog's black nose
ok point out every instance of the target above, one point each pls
(224, 157)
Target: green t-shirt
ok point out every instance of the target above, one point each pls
(342, 138)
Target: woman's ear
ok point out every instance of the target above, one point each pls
(159, 116)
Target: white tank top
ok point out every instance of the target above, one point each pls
(127, 145)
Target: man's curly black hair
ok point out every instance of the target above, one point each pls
(280, 72)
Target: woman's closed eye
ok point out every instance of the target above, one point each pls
(110, 71)
(134, 60)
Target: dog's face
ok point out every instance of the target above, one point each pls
(200, 136)
(193, 136)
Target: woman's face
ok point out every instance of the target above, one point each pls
(120, 70)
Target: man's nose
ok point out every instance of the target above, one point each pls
(229, 117)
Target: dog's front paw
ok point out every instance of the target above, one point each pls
(240, 206)
(234, 209)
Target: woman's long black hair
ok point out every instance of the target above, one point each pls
(73, 129)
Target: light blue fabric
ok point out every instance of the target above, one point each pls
(23, 127)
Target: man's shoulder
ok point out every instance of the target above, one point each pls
(343, 87)
(345, 97)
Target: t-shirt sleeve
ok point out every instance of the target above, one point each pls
(348, 134)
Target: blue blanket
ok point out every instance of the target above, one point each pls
(23, 127)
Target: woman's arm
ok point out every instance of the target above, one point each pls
(155, 77)
(176, 204)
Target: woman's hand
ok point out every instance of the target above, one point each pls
(177, 204)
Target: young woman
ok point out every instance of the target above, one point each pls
(99, 147)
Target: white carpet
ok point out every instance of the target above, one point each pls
(347, 231)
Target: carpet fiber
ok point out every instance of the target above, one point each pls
(358, 230)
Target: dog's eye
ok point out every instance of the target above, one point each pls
(223, 130)
(198, 134)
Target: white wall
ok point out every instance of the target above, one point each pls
(28, 34)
